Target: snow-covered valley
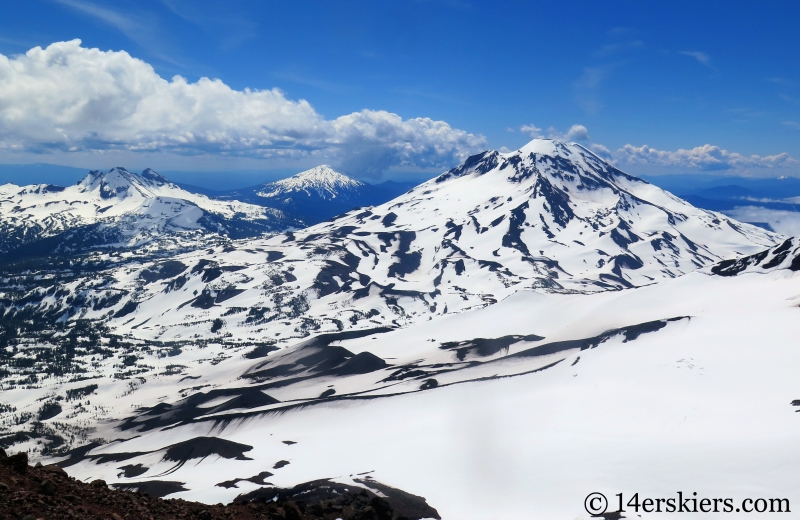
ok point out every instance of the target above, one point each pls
(702, 404)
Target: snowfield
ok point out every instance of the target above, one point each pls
(702, 404)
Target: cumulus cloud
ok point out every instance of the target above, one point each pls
(706, 157)
(70, 98)
(575, 133)
(532, 130)
(602, 151)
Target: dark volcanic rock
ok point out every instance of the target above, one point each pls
(48, 492)
(47, 488)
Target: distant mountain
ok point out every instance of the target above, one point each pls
(318, 194)
(729, 197)
(123, 209)
(692, 183)
(729, 191)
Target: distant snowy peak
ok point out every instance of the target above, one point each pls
(119, 182)
(321, 181)
(122, 208)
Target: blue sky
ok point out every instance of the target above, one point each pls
(675, 76)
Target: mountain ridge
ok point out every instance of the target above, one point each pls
(119, 208)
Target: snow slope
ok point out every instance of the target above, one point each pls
(119, 207)
(702, 403)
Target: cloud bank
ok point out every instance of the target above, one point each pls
(781, 221)
(70, 98)
(705, 158)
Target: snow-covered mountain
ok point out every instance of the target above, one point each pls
(513, 264)
(686, 385)
(321, 182)
(549, 216)
(318, 194)
(120, 208)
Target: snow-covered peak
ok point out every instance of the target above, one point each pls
(544, 147)
(569, 161)
(121, 183)
(322, 181)
(153, 177)
(554, 148)
(138, 202)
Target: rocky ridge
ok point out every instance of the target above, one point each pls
(48, 492)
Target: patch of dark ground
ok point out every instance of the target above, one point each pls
(165, 414)
(313, 358)
(630, 333)
(348, 502)
(318, 357)
(180, 453)
(259, 479)
(48, 492)
(481, 347)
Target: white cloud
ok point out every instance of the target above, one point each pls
(602, 151)
(575, 133)
(701, 57)
(706, 157)
(532, 131)
(781, 221)
(70, 98)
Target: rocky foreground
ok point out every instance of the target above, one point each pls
(49, 493)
